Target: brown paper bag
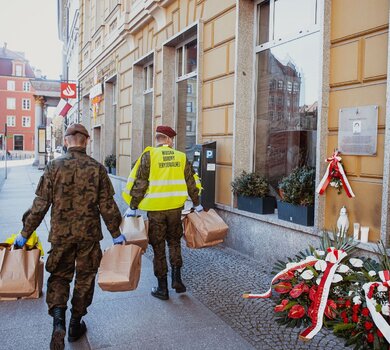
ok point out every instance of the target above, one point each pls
(38, 283)
(193, 238)
(18, 271)
(209, 225)
(135, 230)
(120, 268)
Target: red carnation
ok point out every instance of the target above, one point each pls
(297, 311)
(355, 318)
(356, 308)
(379, 333)
(345, 320)
(330, 309)
(365, 312)
(298, 290)
(287, 276)
(370, 337)
(312, 293)
(282, 306)
(368, 325)
(344, 314)
(283, 287)
(348, 303)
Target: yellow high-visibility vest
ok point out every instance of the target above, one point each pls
(167, 186)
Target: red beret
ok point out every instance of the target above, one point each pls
(166, 130)
(76, 128)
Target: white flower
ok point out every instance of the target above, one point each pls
(382, 288)
(356, 300)
(356, 262)
(320, 252)
(331, 258)
(337, 278)
(307, 275)
(318, 281)
(343, 268)
(320, 265)
(385, 309)
(372, 273)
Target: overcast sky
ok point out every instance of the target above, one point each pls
(31, 26)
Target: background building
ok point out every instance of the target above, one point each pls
(17, 103)
(264, 79)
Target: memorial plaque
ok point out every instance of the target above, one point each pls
(358, 130)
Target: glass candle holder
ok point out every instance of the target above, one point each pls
(364, 233)
(356, 228)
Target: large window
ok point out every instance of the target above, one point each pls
(18, 142)
(11, 103)
(287, 55)
(11, 120)
(26, 104)
(26, 86)
(186, 79)
(11, 85)
(148, 105)
(26, 122)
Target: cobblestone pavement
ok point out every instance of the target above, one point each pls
(218, 276)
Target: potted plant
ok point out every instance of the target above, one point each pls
(110, 164)
(297, 196)
(252, 191)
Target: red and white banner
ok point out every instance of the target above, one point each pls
(68, 90)
(63, 108)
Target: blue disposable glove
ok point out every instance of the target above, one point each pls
(131, 212)
(20, 241)
(119, 240)
(199, 208)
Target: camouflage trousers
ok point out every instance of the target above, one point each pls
(63, 261)
(165, 226)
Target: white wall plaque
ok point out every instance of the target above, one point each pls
(358, 130)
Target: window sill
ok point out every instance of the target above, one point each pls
(273, 219)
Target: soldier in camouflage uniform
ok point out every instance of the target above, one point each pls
(78, 190)
(164, 225)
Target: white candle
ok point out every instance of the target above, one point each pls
(356, 227)
(364, 233)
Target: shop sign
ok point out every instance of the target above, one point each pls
(358, 130)
(95, 91)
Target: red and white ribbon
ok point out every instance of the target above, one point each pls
(290, 267)
(377, 317)
(332, 259)
(335, 166)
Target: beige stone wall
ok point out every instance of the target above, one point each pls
(359, 44)
(217, 20)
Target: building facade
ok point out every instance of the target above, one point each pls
(267, 80)
(17, 103)
(68, 31)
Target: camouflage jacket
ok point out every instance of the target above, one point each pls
(78, 190)
(141, 182)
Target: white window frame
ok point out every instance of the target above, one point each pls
(278, 41)
(16, 70)
(11, 85)
(148, 72)
(184, 62)
(9, 106)
(26, 118)
(26, 86)
(13, 123)
(28, 104)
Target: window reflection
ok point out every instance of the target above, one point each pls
(287, 95)
(191, 56)
(263, 16)
(292, 17)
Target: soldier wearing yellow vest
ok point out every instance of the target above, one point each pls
(160, 183)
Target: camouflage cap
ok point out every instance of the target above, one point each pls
(76, 128)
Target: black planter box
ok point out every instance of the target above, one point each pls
(264, 205)
(296, 213)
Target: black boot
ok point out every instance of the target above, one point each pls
(161, 292)
(76, 329)
(59, 330)
(177, 283)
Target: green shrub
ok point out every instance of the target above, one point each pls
(250, 185)
(110, 161)
(299, 186)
